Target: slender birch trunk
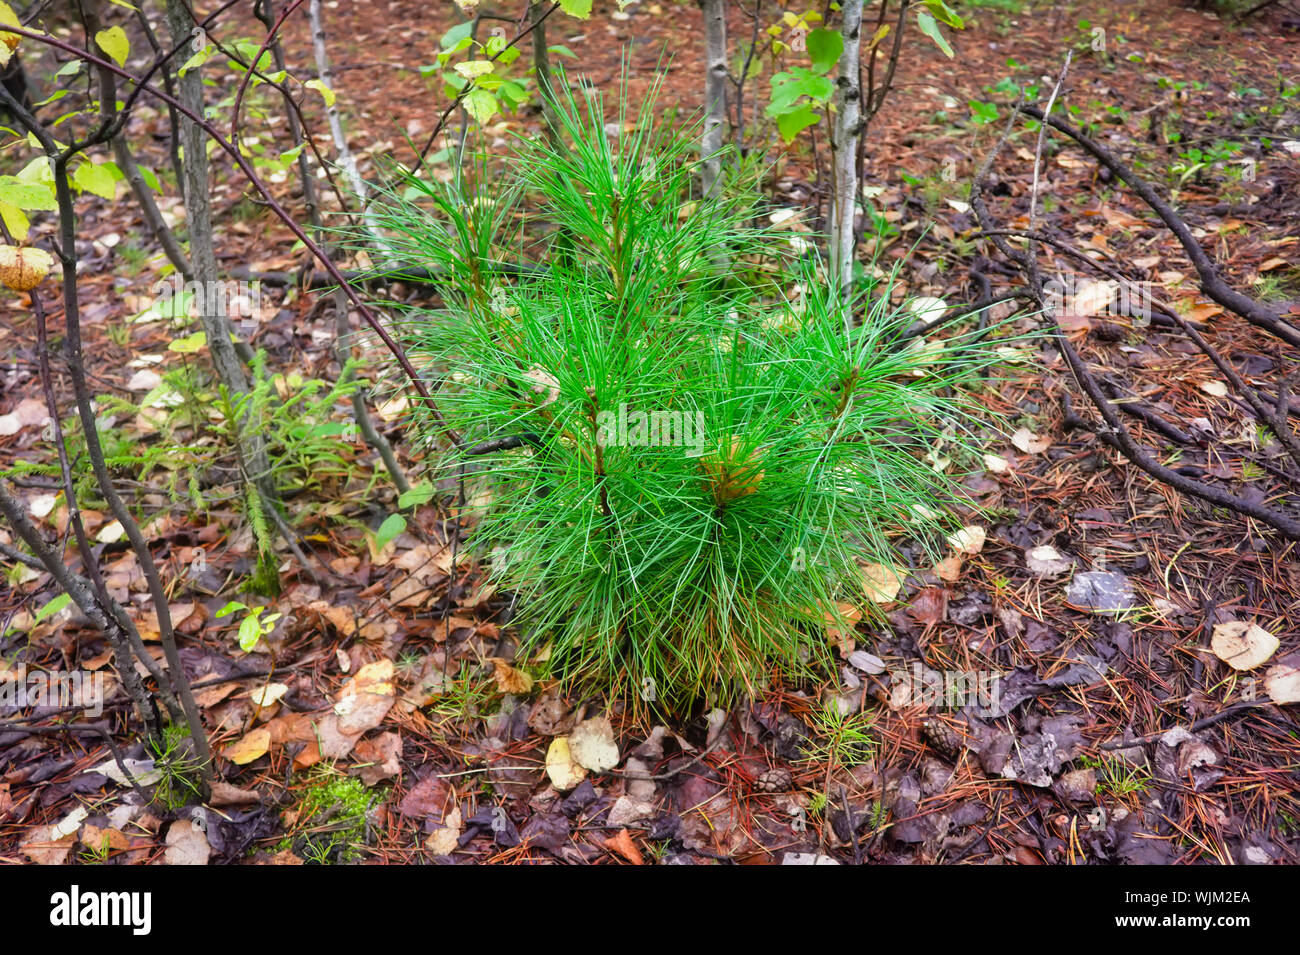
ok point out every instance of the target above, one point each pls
(844, 144)
(342, 330)
(346, 160)
(715, 92)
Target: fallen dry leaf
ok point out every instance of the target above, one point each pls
(253, 745)
(43, 848)
(224, 794)
(949, 568)
(592, 745)
(1030, 443)
(186, 844)
(881, 582)
(269, 694)
(1282, 683)
(509, 679)
(442, 842)
(1046, 561)
(563, 772)
(929, 606)
(1241, 645)
(100, 840)
(624, 846)
(365, 699)
(969, 540)
(996, 464)
(381, 756)
(432, 798)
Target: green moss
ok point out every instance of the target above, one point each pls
(330, 825)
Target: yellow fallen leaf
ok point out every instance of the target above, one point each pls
(269, 694)
(111, 533)
(374, 678)
(1030, 443)
(253, 745)
(996, 463)
(564, 773)
(881, 582)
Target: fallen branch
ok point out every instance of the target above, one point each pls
(1113, 432)
(1212, 284)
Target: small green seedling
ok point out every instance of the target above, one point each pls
(254, 627)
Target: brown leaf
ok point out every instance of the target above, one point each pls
(365, 699)
(41, 847)
(510, 680)
(432, 799)
(292, 728)
(930, 606)
(949, 568)
(186, 844)
(624, 846)
(383, 756)
(224, 794)
(93, 837)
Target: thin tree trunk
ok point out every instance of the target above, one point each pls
(66, 248)
(198, 212)
(542, 68)
(79, 589)
(715, 92)
(266, 12)
(360, 411)
(203, 259)
(153, 218)
(844, 146)
(744, 75)
(169, 84)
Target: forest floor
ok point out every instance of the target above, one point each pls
(1119, 736)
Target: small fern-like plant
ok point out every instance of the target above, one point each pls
(684, 449)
